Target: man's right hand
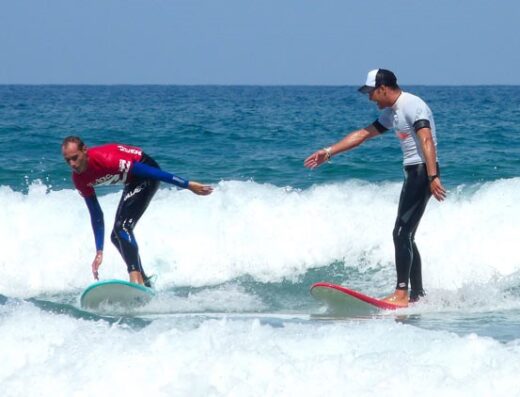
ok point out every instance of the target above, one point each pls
(316, 159)
(96, 263)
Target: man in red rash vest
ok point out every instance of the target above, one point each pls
(141, 176)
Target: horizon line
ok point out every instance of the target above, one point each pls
(249, 85)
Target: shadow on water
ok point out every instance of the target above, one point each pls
(501, 325)
(76, 313)
(504, 326)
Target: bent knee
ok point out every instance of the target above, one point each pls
(114, 238)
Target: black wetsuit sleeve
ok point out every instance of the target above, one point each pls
(379, 127)
(97, 221)
(146, 171)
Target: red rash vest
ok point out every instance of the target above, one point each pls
(107, 164)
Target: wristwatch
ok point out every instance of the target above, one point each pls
(432, 177)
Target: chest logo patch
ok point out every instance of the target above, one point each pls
(402, 135)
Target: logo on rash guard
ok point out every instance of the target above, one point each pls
(124, 166)
(106, 180)
(129, 150)
(402, 135)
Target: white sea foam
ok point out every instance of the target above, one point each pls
(47, 355)
(264, 231)
(268, 233)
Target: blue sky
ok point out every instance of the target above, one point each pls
(310, 42)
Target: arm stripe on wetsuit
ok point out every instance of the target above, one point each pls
(379, 127)
(423, 123)
(96, 219)
(146, 171)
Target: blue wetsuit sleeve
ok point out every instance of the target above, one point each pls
(96, 219)
(146, 171)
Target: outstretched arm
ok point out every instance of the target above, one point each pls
(351, 141)
(146, 171)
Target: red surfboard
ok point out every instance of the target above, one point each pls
(342, 300)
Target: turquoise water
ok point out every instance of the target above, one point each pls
(233, 314)
(258, 133)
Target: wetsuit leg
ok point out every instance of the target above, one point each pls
(412, 203)
(416, 285)
(134, 201)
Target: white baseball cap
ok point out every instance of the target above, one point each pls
(377, 78)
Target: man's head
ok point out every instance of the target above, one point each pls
(74, 152)
(381, 87)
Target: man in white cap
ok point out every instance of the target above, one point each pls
(412, 121)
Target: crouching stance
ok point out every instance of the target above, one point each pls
(141, 176)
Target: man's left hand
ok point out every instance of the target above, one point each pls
(199, 188)
(437, 189)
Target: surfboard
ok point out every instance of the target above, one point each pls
(119, 293)
(345, 301)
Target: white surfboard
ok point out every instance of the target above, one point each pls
(118, 293)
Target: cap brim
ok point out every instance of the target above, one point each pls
(366, 89)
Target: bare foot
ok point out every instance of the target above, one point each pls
(136, 277)
(399, 298)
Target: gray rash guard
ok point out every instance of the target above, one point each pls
(408, 115)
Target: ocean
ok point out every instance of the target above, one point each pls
(233, 315)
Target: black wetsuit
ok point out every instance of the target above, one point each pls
(415, 194)
(134, 201)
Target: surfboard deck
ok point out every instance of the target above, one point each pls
(120, 293)
(345, 301)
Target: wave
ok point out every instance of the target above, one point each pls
(261, 231)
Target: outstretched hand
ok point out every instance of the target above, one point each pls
(96, 263)
(316, 159)
(199, 188)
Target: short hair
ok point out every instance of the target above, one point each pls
(387, 78)
(73, 139)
